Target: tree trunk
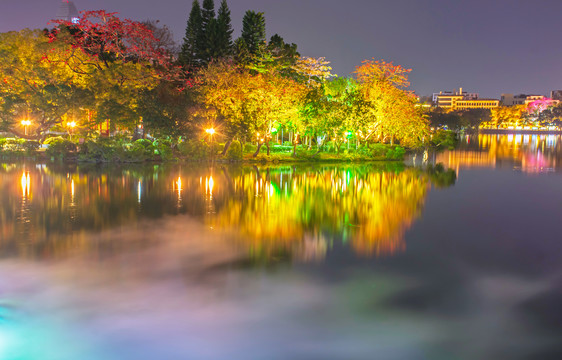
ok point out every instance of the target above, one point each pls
(226, 146)
(267, 146)
(338, 145)
(258, 150)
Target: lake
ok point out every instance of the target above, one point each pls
(320, 261)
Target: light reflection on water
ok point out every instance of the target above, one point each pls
(531, 153)
(305, 262)
(272, 210)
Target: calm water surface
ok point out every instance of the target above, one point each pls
(385, 261)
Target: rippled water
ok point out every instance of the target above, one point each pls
(376, 261)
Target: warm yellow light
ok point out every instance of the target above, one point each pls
(26, 122)
(210, 131)
(71, 124)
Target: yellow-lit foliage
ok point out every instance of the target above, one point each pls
(250, 103)
(390, 110)
(507, 116)
(372, 211)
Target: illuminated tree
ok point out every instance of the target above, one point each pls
(392, 110)
(116, 59)
(250, 105)
(33, 88)
(507, 116)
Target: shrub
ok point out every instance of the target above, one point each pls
(395, 154)
(60, 148)
(163, 147)
(31, 146)
(195, 150)
(48, 141)
(250, 148)
(100, 150)
(234, 151)
(444, 139)
(280, 149)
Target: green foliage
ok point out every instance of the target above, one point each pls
(31, 146)
(195, 150)
(49, 140)
(60, 148)
(224, 31)
(253, 31)
(140, 150)
(234, 152)
(250, 148)
(189, 51)
(100, 150)
(395, 154)
(444, 139)
(163, 148)
(281, 148)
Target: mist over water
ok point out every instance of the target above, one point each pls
(295, 262)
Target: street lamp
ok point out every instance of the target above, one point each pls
(211, 132)
(71, 125)
(25, 123)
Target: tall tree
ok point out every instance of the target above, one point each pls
(253, 31)
(208, 32)
(189, 51)
(223, 32)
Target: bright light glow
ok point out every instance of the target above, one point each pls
(26, 122)
(178, 184)
(210, 131)
(25, 184)
(71, 124)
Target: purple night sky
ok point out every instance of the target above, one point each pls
(484, 46)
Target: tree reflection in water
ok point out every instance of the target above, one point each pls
(289, 211)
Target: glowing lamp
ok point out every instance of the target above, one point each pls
(210, 131)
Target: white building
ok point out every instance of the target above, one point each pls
(67, 12)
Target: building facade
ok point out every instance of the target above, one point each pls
(67, 12)
(460, 100)
(464, 94)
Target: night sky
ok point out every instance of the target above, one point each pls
(485, 46)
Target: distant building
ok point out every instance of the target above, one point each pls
(476, 104)
(520, 99)
(556, 94)
(533, 98)
(460, 100)
(465, 95)
(511, 100)
(67, 12)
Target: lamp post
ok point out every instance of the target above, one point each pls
(211, 132)
(25, 124)
(71, 125)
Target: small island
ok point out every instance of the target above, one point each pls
(99, 88)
